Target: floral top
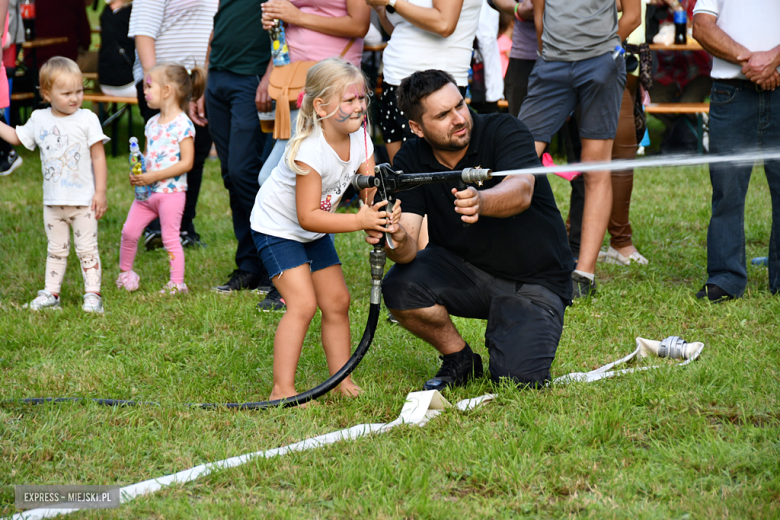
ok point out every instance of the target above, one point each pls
(163, 150)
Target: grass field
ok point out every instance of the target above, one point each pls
(697, 442)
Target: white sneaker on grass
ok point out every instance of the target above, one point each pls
(175, 288)
(44, 300)
(93, 303)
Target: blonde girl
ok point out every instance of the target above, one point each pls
(170, 153)
(74, 179)
(295, 210)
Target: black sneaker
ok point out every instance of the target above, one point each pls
(191, 239)
(582, 286)
(273, 302)
(456, 370)
(239, 280)
(265, 286)
(391, 318)
(153, 240)
(713, 293)
(9, 163)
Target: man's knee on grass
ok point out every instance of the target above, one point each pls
(523, 380)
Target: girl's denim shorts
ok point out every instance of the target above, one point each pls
(280, 254)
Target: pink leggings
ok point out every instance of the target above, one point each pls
(170, 208)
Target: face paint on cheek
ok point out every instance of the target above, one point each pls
(342, 116)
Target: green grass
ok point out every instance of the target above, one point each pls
(697, 442)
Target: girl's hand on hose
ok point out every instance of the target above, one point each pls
(370, 218)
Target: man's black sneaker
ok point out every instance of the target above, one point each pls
(190, 239)
(391, 318)
(456, 370)
(713, 293)
(582, 286)
(273, 302)
(9, 163)
(239, 280)
(152, 240)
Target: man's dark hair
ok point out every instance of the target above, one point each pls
(418, 86)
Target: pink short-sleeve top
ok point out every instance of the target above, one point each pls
(309, 45)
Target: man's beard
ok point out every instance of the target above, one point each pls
(449, 144)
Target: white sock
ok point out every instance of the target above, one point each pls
(589, 276)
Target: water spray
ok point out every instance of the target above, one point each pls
(665, 161)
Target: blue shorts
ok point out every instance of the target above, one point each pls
(281, 254)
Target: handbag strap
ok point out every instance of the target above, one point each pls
(346, 49)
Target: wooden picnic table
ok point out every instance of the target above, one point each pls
(692, 45)
(44, 42)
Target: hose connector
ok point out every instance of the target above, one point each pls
(377, 258)
(476, 174)
(673, 347)
(362, 182)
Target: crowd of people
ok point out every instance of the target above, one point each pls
(203, 70)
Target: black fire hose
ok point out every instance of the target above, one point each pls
(377, 259)
(388, 182)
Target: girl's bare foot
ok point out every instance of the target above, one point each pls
(349, 389)
(281, 394)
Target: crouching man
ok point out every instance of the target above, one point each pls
(511, 264)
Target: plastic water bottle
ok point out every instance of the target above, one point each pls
(619, 51)
(138, 167)
(680, 25)
(279, 49)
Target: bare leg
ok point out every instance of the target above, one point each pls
(598, 203)
(333, 300)
(392, 149)
(432, 324)
(422, 239)
(296, 287)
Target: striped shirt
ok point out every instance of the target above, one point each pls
(180, 28)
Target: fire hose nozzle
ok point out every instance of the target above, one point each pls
(476, 174)
(362, 182)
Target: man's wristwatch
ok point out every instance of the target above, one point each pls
(390, 7)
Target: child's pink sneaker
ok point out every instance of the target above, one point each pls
(547, 162)
(129, 280)
(175, 288)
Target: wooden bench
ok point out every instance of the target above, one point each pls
(22, 96)
(684, 108)
(113, 114)
(502, 103)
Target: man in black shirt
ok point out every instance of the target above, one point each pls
(511, 265)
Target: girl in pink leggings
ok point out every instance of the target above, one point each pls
(170, 153)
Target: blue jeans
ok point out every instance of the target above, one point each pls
(741, 120)
(233, 123)
(277, 153)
